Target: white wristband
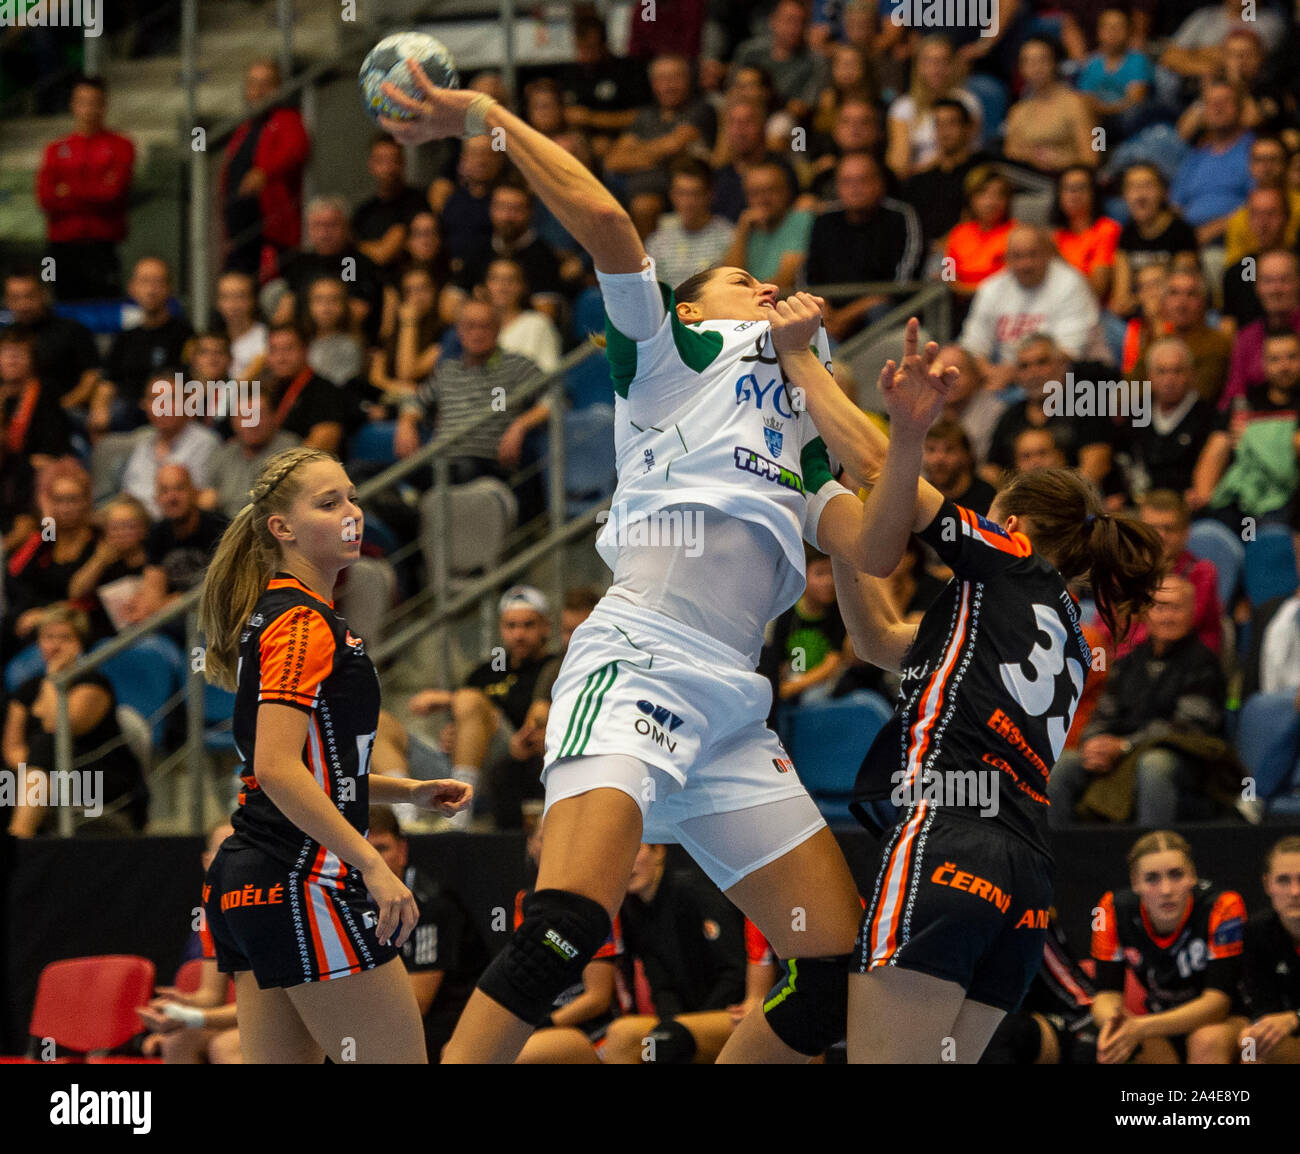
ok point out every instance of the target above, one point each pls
(189, 1016)
(476, 115)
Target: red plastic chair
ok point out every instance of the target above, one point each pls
(87, 1004)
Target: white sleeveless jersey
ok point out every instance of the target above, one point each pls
(704, 416)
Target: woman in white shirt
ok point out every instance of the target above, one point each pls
(912, 142)
(524, 331)
(237, 306)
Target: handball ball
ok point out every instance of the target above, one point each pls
(386, 62)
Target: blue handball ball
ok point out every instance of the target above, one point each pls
(386, 62)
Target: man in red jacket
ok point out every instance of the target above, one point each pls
(261, 179)
(83, 187)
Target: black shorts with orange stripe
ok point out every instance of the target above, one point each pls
(961, 899)
(288, 928)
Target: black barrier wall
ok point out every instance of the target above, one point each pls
(65, 899)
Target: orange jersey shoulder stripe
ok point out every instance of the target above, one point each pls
(297, 654)
(1017, 544)
(1224, 939)
(1105, 933)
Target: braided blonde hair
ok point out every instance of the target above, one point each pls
(245, 559)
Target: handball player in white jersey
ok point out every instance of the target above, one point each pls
(724, 416)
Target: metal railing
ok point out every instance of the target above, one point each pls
(927, 299)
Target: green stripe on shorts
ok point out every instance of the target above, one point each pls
(596, 702)
(581, 709)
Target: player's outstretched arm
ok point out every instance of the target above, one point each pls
(581, 203)
(877, 634)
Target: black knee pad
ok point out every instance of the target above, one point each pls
(809, 1010)
(560, 933)
(1016, 1042)
(671, 1044)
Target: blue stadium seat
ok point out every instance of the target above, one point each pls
(218, 708)
(1215, 542)
(373, 442)
(589, 469)
(1270, 569)
(827, 741)
(23, 666)
(1268, 740)
(590, 383)
(145, 676)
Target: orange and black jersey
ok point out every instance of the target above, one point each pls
(297, 651)
(990, 684)
(1202, 953)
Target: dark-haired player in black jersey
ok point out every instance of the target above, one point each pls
(296, 898)
(1270, 964)
(1181, 938)
(955, 923)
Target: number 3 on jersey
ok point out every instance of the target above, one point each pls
(1035, 693)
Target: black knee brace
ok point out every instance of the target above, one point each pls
(671, 1044)
(809, 1010)
(1016, 1042)
(557, 938)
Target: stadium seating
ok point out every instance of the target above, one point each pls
(373, 442)
(589, 469)
(589, 383)
(1270, 565)
(1213, 541)
(1268, 740)
(827, 741)
(145, 676)
(481, 514)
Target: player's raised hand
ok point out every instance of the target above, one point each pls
(916, 390)
(795, 322)
(441, 112)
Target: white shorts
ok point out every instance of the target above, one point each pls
(686, 707)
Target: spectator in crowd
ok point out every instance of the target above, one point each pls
(261, 178)
(798, 73)
(1167, 513)
(1269, 160)
(1196, 49)
(601, 92)
(857, 129)
(771, 239)
(807, 652)
(1051, 126)
(1272, 663)
(975, 408)
(83, 187)
(976, 248)
(912, 130)
(871, 238)
(1036, 293)
(1035, 449)
(1278, 289)
(66, 357)
(1153, 751)
(544, 106)
(1084, 236)
(208, 360)
(208, 1028)
(690, 238)
(1152, 930)
(1145, 326)
(464, 208)
(426, 252)
(937, 191)
(949, 465)
(32, 421)
(411, 349)
(661, 132)
(304, 404)
(120, 555)
(158, 339)
(1248, 465)
(1041, 368)
(524, 331)
(1212, 181)
(330, 253)
(180, 545)
(852, 75)
(379, 223)
(444, 954)
(1162, 453)
(1270, 979)
(120, 794)
(514, 237)
(1116, 80)
(1262, 102)
(690, 942)
(235, 463)
(1266, 211)
(237, 308)
(333, 350)
(1183, 307)
(1154, 234)
(741, 145)
(174, 438)
(492, 706)
(461, 390)
(42, 565)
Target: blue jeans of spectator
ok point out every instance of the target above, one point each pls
(1168, 789)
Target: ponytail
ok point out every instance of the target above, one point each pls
(1122, 558)
(244, 562)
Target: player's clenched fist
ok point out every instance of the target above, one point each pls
(797, 319)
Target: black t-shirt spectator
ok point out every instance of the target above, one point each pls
(64, 350)
(510, 689)
(36, 579)
(937, 197)
(1166, 459)
(1160, 249)
(465, 225)
(536, 258)
(140, 351)
(376, 216)
(884, 247)
(609, 85)
(318, 402)
(810, 639)
(1240, 300)
(1070, 433)
(45, 426)
(185, 559)
(445, 940)
(1258, 403)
